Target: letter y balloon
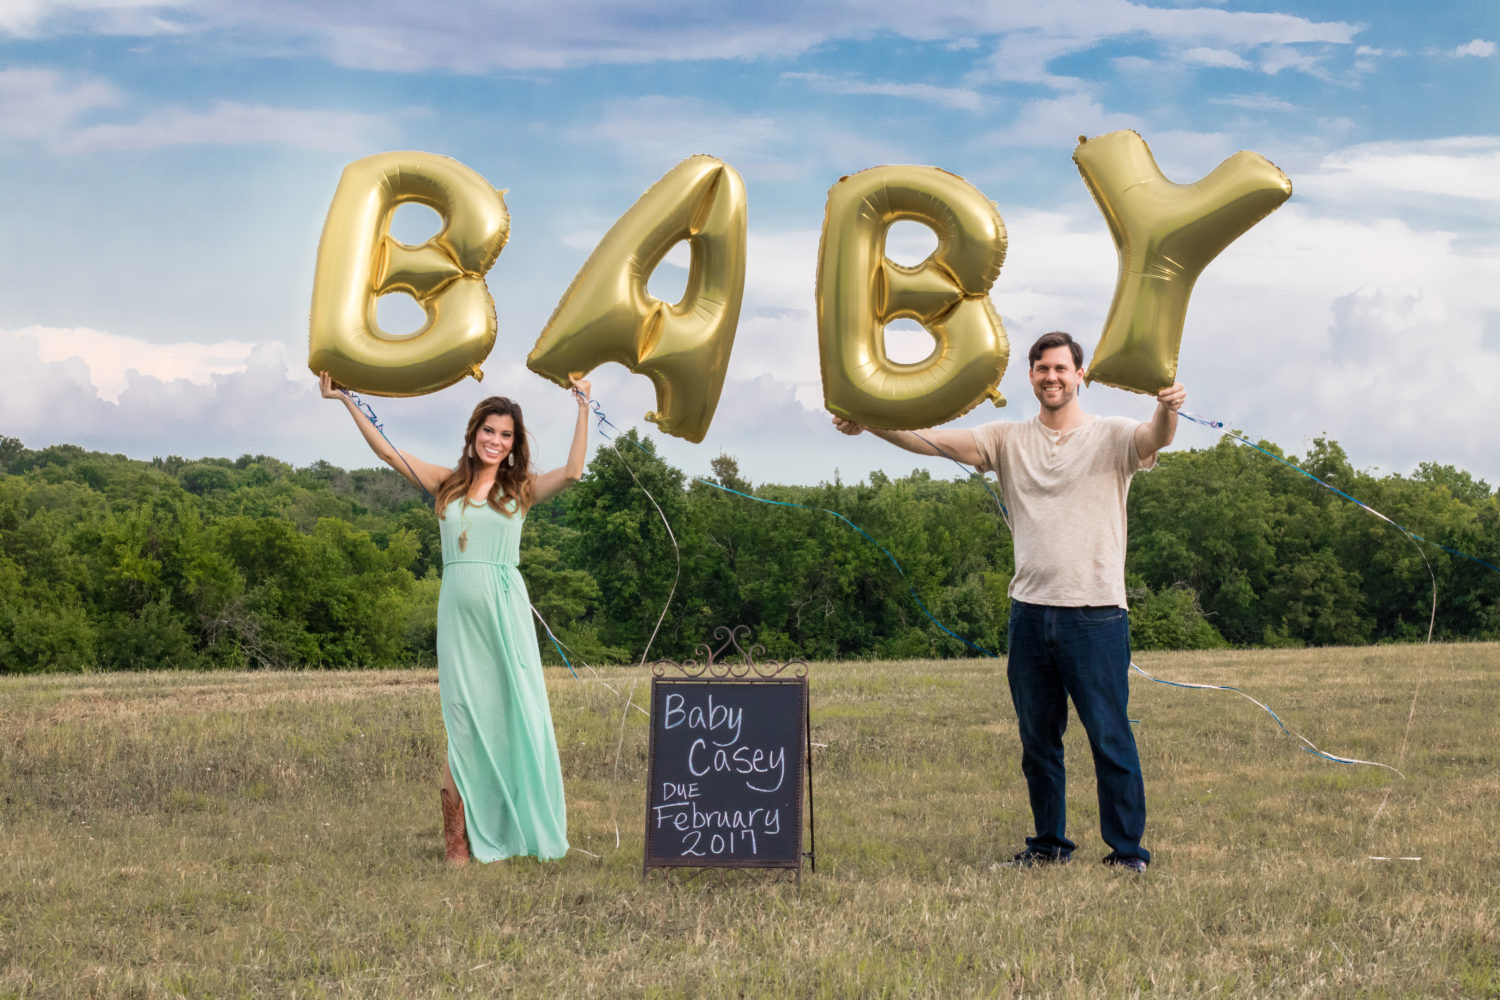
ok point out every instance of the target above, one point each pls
(1165, 234)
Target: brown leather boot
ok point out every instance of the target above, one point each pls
(455, 832)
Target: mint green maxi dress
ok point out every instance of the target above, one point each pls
(501, 747)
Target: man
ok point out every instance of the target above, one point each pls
(1064, 476)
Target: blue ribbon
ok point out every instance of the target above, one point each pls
(369, 411)
(1218, 425)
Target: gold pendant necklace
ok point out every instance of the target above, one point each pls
(464, 523)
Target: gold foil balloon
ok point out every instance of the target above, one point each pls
(358, 261)
(860, 290)
(608, 315)
(1166, 234)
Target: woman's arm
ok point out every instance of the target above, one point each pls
(550, 484)
(423, 475)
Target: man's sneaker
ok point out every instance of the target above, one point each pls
(1136, 865)
(1036, 859)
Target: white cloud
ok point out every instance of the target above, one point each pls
(1461, 167)
(654, 129)
(61, 112)
(1256, 102)
(1056, 123)
(949, 97)
(1478, 47)
(473, 35)
(1275, 58)
(32, 18)
(651, 133)
(1220, 58)
(1133, 64)
(230, 123)
(39, 104)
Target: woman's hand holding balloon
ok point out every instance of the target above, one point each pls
(581, 389)
(327, 387)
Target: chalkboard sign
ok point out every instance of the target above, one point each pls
(728, 756)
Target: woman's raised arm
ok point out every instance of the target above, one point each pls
(423, 475)
(550, 484)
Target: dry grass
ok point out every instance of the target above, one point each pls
(213, 835)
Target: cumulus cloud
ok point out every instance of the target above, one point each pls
(230, 399)
(50, 395)
(109, 360)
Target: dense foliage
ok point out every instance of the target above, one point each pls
(109, 563)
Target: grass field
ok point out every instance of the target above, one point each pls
(222, 835)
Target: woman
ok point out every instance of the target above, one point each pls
(502, 792)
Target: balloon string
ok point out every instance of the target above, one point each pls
(369, 411)
(1218, 425)
(1310, 747)
(614, 803)
(1414, 538)
(566, 662)
(676, 549)
(603, 421)
(972, 474)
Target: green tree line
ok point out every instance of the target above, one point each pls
(110, 563)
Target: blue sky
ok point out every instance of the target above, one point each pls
(168, 167)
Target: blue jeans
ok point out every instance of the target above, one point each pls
(1082, 653)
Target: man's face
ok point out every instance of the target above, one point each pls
(1055, 379)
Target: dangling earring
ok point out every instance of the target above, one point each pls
(510, 459)
(468, 451)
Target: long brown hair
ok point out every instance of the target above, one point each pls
(512, 482)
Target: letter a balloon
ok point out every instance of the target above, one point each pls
(607, 314)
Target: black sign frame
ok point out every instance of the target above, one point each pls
(683, 697)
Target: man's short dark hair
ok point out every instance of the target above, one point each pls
(1056, 338)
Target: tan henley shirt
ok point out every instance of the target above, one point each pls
(1066, 497)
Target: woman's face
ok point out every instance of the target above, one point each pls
(494, 439)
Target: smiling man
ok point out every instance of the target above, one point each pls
(1064, 476)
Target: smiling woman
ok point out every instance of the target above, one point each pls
(502, 791)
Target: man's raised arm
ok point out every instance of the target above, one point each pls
(1158, 432)
(946, 442)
